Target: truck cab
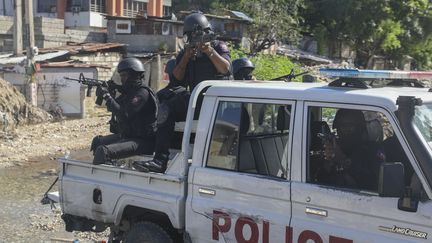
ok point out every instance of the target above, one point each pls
(258, 170)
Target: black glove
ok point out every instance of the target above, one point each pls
(113, 87)
(101, 91)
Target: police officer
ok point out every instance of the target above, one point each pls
(173, 98)
(354, 159)
(194, 64)
(134, 115)
(242, 69)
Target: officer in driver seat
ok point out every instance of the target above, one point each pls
(353, 157)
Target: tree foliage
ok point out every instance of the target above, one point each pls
(391, 28)
(273, 20)
(269, 66)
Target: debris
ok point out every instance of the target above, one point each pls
(15, 111)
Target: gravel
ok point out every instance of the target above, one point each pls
(49, 139)
(28, 166)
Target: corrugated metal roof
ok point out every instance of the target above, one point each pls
(241, 15)
(51, 53)
(4, 60)
(75, 48)
(231, 15)
(299, 54)
(69, 64)
(148, 18)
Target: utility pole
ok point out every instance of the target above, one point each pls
(31, 85)
(17, 33)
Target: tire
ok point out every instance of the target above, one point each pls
(147, 232)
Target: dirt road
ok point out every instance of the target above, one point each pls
(49, 139)
(28, 166)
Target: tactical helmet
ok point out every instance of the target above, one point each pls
(242, 63)
(169, 67)
(194, 22)
(347, 115)
(130, 63)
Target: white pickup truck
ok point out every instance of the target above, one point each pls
(253, 169)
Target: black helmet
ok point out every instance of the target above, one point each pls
(170, 65)
(194, 22)
(242, 63)
(356, 117)
(131, 63)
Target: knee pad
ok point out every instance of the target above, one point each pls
(100, 155)
(95, 143)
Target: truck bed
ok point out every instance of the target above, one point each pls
(102, 192)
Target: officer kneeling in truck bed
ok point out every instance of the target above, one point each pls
(134, 113)
(172, 108)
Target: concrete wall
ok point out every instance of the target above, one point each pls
(49, 32)
(110, 59)
(146, 43)
(85, 36)
(6, 25)
(84, 20)
(53, 90)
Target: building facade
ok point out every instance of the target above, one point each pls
(90, 14)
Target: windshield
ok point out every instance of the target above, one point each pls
(423, 122)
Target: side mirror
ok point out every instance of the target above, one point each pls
(391, 180)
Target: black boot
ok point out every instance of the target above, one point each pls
(157, 164)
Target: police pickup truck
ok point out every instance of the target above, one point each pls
(256, 167)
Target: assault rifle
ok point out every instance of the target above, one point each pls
(289, 77)
(91, 82)
(327, 137)
(200, 37)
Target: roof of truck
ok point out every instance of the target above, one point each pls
(320, 92)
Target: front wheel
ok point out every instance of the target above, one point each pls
(147, 232)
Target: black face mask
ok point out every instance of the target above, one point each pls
(134, 80)
(350, 136)
(243, 74)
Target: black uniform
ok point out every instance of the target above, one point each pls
(133, 123)
(175, 99)
(362, 173)
(201, 67)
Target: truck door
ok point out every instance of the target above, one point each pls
(240, 191)
(335, 198)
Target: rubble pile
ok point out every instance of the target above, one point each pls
(15, 111)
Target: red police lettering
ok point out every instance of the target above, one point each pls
(335, 239)
(309, 235)
(288, 234)
(266, 233)
(242, 222)
(217, 227)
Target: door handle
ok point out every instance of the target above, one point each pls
(316, 211)
(206, 191)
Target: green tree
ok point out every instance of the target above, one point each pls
(273, 20)
(393, 28)
(269, 66)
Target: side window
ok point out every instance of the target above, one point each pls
(224, 141)
(251, 138)
(346, 148)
